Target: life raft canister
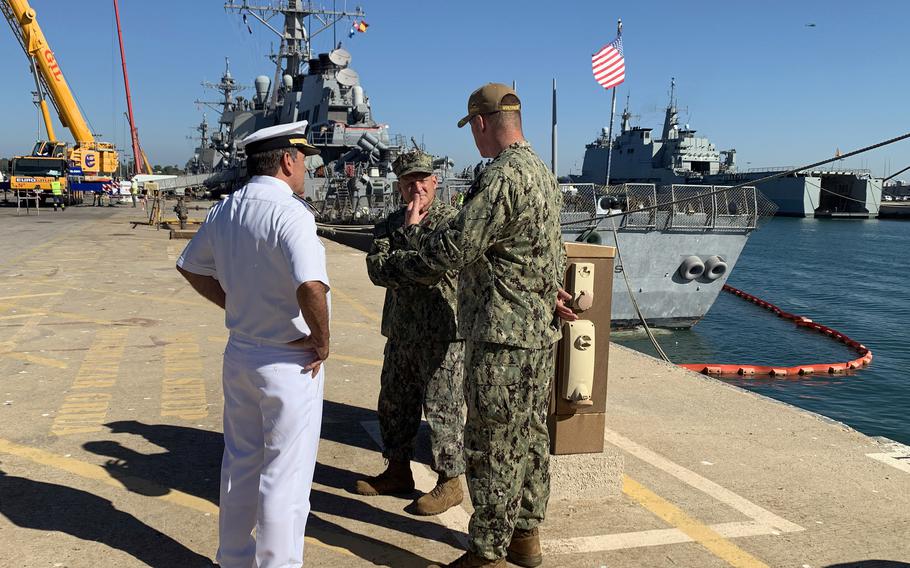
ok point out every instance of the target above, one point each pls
(691, 268)
(715, 267)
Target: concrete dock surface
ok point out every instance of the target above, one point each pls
(110, 435)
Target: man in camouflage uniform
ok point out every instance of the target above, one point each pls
(507, 244)
(423, 364)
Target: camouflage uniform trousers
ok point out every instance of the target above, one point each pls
(427, 375)
(507, 445)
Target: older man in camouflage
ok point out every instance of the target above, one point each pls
(507, 244)
(423, 364)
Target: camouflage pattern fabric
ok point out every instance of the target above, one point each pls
(412, 162)
(507, 446)
(427, 375)
(423, 366)
(507, 244)
(420, 302)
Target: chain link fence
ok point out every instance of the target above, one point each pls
(678, 206)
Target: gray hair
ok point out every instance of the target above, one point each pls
(267, 163)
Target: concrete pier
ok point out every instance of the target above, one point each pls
(110, 435)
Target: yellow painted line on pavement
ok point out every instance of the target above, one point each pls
(357, 324)
(36, 359)
(332, 356)
(333, 323)
(131, 295)
(98, 473)
(22, 296)
(147, 488)
(8, 348)
(703, 484)
(700, 533)
(358, 360)
(19, 316)
(64, 315)
(355, 304)
(85, 408)
(183, 389)
(33, 252)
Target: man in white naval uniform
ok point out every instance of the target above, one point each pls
(258, 257)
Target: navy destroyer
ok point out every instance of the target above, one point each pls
(351, 181)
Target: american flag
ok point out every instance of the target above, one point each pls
(608, 64)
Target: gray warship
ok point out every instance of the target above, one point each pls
(672, 213)
(680, 156)
(351, 181)
(676, 257)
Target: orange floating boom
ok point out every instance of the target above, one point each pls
(779, 370)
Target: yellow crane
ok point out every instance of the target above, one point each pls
(89, 163)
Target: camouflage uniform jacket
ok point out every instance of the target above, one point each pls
(420, 301)
(506, 242)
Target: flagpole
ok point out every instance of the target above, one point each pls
(553, 134)
(612, 112)
(610, 137)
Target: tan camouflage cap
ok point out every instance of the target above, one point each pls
(488, 99)
(412, 162)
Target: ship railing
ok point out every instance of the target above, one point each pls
(646, 206)
(840, 171)
(450, 190)
(179, 184)
(713, 207)
(736, 209)
(322, 138)
(589, 201)
(691, 207)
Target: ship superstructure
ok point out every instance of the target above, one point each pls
(351, 178)
(679, 156)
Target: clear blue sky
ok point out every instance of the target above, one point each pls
(750, 75)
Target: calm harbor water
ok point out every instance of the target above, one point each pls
(853, 276)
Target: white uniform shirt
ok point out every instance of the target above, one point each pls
(260, 244)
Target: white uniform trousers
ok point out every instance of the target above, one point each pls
(272, 418)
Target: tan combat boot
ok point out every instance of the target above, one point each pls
(471, 560)
(524, 549)
(443, 497)
(396, 479)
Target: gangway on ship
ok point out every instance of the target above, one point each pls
(176, 185)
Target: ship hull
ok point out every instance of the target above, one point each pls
(651, 261)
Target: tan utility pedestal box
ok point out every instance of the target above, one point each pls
(578, 402)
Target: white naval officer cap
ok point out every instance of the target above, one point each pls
(279, 136)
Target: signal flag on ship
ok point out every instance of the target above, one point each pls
(360, 26)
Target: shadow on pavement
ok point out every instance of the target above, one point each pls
(870, 564)
(376, 551)
(343, 424)
(49, 507)
(191, 463)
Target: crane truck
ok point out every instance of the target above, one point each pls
(85, 166)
